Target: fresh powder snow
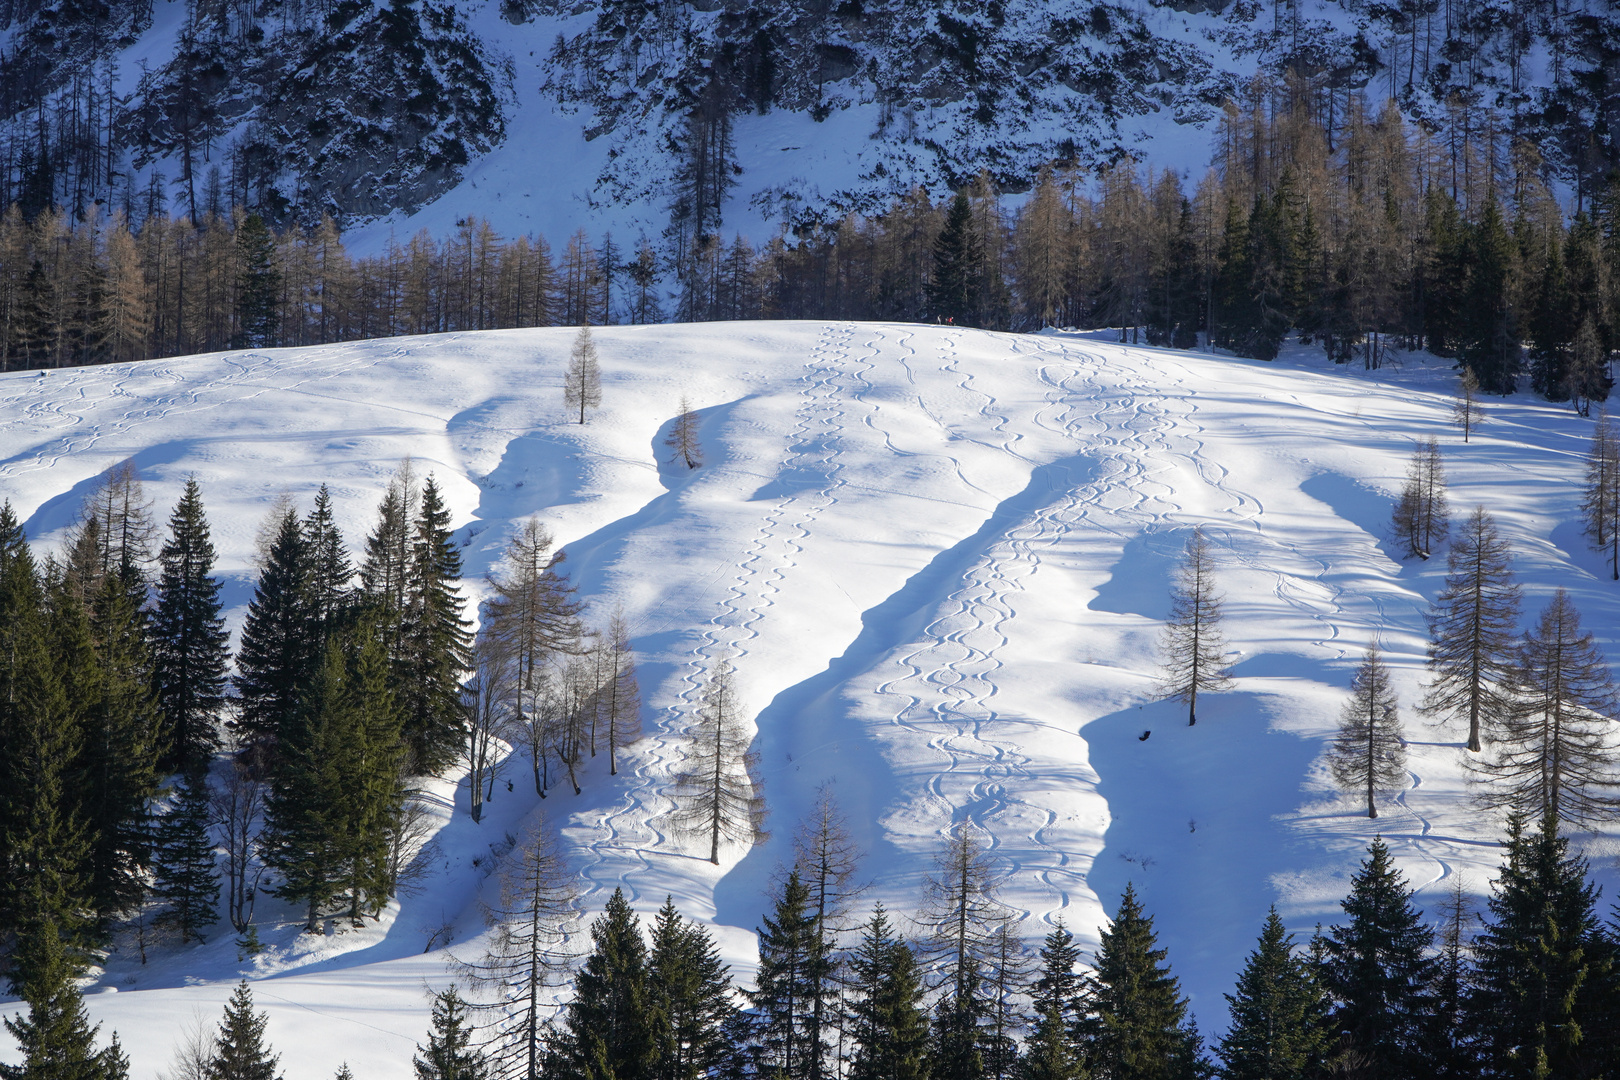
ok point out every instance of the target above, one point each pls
(939, 560)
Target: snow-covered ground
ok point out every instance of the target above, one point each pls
(940, 559)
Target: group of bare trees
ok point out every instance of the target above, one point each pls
(545, 682)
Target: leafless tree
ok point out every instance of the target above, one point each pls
(683, 436)
(1422, 517)
(1193, 647)
(1555, 760)
(582, 385)
(1466, 411)
(1369, 753)
(826, 857)
(961, 912)
(526, 953)
(621, 695)
(238, 805)
(488, 702)
(193, 1050)
(716, 793)
(1602, 499)
(1471, 631)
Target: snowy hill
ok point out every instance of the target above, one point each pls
(940, 560)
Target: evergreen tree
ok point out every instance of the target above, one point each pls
(956, 285)
(888, 1024)
(1279, 1029)
(56, 1038)
(1194, 650)
(330, 573)
(609, 1032)
(185, 876)
(386, 569)
(280, 648)
(1450, 1050)
(437, 640)
(1369, 754)
(1553, 323)
(717, 795)
(240, 1050)
(1422, 519)
(582, 383)
(959, 1035)
(258, 285)
(689, 996)
(117, 769)
(1052, 1051)
(1556, 757)
(1138, 1028)
(190, 647)
(449, 1054)
(1471, 631)
(1601, 502)
(783, 985)
(1489, 326)
(1543, 964)
(1377, 974)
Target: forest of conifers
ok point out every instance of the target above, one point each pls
(1322, 216)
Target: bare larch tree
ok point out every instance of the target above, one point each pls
(1471, 631)
(1193, 647)
(1422, 517)
(1466, 411)
(1601, 503)
(683, 436)
(582, 384)
(1556, 758)
(1369, 753)
(716, 793)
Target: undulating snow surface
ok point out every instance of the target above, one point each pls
(940, 559)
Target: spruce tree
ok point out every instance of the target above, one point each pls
(888, 1025)
(1471, 626)
(240, 1050)
(1279, 1015)
(1376, 971)
(1194, 650)
(1557, 754)
(783, 985)
(280, 647)
(117, 769)
(1138, 1028)
(956, 283)
(56, 1038)
(450, 1054)
(1489, 325)
(185, 874)
(190, 646)
(258, 285)
(1543, 965)
(330, 573)
(437, 640)
(1368, 756)
(609, 1031)
(689, 994)
(1052, 1051)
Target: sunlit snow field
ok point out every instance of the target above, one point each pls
(939, 558)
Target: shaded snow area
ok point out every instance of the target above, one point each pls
(940, 560)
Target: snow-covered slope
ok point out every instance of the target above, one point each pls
(939, 558)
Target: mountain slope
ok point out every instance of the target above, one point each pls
(939, 559)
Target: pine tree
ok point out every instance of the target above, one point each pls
(582, 383)
(609, 1032)
(717, 795)
(56, 1038)
(185, 876)
(279, 649)
(888, 1024)
(1369, 754)
(1376, 972)
(1279, 1015)
(690, 997)
(1138, 1028)
(1556, 757)
(1466, 411)
(1471, 629)
(240, 1050)
(683, 436)
(438, 640)
(190, 646)
(783, 985)
(1193, 648)
(1543, 964)
(1601, 503)
(1422, 519)
(449, 1054)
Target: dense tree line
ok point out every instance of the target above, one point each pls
(1322, 219)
